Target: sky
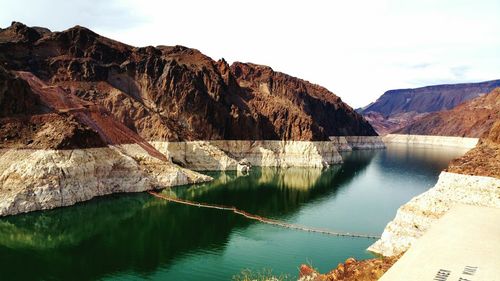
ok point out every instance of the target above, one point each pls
(356, 49)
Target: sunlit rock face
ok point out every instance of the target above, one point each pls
(44, 179)
(227, 155)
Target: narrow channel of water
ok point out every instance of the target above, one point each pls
(139, 237)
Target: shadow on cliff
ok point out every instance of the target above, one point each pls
(138, 233)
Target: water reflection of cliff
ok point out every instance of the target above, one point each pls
(405, 158)
(139, 233)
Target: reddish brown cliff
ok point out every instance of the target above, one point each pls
(27, 121)
(177, 93)
(472, 118)
(295, 108)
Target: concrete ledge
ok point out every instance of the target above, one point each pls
(463, 245)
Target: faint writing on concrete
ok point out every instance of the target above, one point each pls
(443, 274)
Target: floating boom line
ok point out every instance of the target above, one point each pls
(263, 219)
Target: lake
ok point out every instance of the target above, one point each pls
(140, 237)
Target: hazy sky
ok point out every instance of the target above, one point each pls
(357, 49)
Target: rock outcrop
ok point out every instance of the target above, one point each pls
(396, 109)
(229, 155)
(472, 118)
(38, 179)
(177, 93)
(350, 270)
(234, 154)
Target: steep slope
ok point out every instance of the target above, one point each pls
(396, 109)
(484, 159)
(297, 108)
(26, 121)
(472, 118)
(177, 93)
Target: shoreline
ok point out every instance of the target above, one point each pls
(431, 141)
(42, 179)
(416, 216)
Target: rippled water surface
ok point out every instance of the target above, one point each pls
(138, 237)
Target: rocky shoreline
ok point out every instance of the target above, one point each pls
(40, 179)
(237, 154)
(472, 179)
(414, 218)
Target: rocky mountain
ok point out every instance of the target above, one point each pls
(472, 118)
(396, 109)
(166, 93)
(82, 115)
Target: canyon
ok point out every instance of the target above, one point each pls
(150, 115)
(82, 115)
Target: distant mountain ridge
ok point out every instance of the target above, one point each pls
(472, 118)
(396, 109)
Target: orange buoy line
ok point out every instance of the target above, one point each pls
(262, 219)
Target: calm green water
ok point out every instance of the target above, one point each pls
(138, 237)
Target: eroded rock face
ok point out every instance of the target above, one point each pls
(177, 93)
(39, 179)
(297, 109)
(230, 155)
(387, 125)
